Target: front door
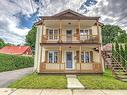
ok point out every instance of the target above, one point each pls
(69, 36)
(69, 60)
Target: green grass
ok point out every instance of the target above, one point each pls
(13, 62)
(36, 81)
(105, 81)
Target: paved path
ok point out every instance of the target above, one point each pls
(9, 91)
(73, 82)
(10, 76)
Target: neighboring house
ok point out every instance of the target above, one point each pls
(68, 42)
(16, 50)
(107, 47)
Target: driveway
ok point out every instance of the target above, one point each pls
(10, 76)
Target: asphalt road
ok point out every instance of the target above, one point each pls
(10, 76)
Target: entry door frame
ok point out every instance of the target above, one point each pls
(73, 61)
(69, 30)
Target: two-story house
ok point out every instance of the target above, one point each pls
(68, 42)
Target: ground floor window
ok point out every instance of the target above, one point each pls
(86, 56)
(52, 56)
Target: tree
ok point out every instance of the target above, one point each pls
(113, 50)
(117, 50)
(2, 43)
(110, 33)
(122, 54)
(31, 37)
(122, 38)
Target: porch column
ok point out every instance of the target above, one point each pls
(79, 29)
(80, 51)
(60, 57)
(98, 32)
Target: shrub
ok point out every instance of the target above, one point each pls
(12, 62)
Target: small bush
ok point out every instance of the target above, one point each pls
(12, 62)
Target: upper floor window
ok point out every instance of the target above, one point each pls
(53, 34)
(84, 34)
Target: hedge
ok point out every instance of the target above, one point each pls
(13, 62)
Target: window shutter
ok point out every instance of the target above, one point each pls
(78, 34)
(46, 56)
(47, 33)
(82, 57)
(91, 56)
(90, 33)
(77, 56)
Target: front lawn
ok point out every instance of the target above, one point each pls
(37, 81)
(105, 81)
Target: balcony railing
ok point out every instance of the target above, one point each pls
(70, 39)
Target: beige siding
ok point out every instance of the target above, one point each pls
(86, 66)
(38, 49)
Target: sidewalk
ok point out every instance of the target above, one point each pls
(9, 91)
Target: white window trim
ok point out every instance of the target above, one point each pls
(53, 34)
(82, 36)
(89, 57)
(53, 57)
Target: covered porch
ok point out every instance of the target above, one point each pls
(70, 59)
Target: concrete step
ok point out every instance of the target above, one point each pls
(71, 76)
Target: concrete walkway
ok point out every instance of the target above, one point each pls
(73, 82)
(10, 76)
(9, 91)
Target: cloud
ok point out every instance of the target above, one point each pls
(17, 16)
(10, 28)
(111, 12)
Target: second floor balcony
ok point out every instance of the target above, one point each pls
(92, 39)
(68, 31)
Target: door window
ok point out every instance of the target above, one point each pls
(69, 60)
(69, 35)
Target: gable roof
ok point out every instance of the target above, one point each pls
(69, 14)
(68, 11)
(19, 50)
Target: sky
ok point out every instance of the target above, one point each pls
(18, 16)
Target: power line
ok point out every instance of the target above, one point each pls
(31, 5)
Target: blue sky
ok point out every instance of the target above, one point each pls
(18, 16)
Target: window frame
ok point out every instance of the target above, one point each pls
(54, 37)
(54, 54)
(83, 57)
(82, 35)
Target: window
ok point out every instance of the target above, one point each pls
(85, 57)
(53, 57)
(53, 34)
(84, 34)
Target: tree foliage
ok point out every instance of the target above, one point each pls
(2, 43)
(31, 37)
(110, 33)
